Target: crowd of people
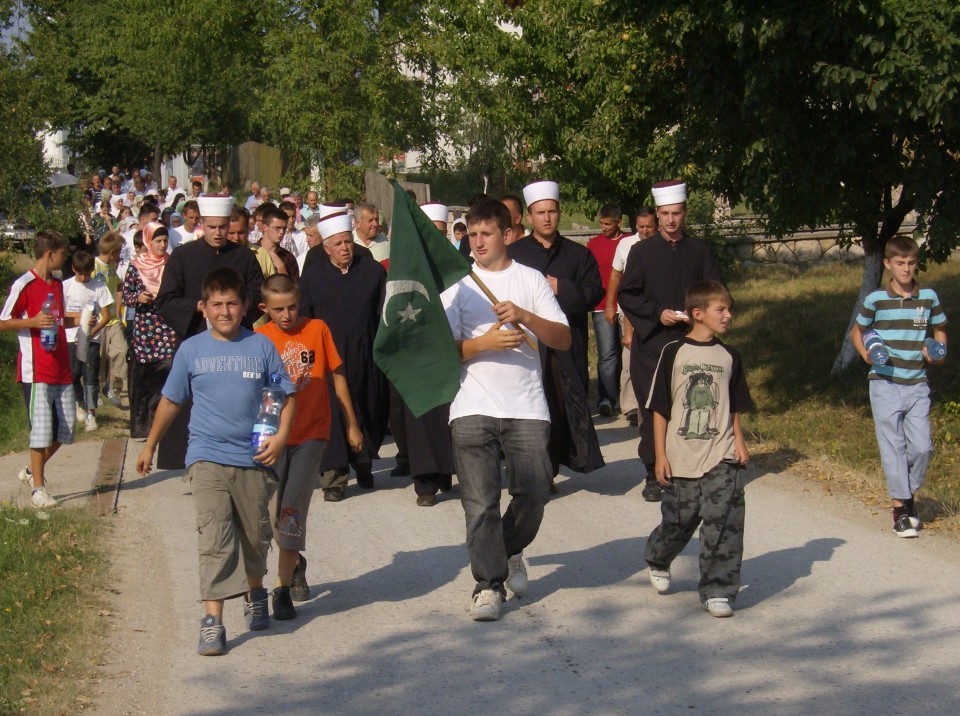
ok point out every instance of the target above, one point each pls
(193, 304)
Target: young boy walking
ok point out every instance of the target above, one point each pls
(79, 291)
(309, 355)
(224, 369)
(113, 356)
(43, 374)
(501, 406)
(698, 392)
(902, 313)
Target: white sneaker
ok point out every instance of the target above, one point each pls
(81, 414)
(90, 422)
(718, 607)
(517, 575)
(916, 522)
(660, 580)
(25, 476)
(486, 606)
(42, 499)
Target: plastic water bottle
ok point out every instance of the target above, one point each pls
(879, 355)
(83, 331)
(935, 349)
(268, 421)
(49, 336)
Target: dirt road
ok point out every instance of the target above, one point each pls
(836, 615)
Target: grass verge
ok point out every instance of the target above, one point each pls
(49, 609)
(788, 325)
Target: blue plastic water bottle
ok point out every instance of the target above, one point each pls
(49, 336)
(879, 355)
(268, 421)
(935, 349)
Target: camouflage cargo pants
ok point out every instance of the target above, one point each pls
(716, 500)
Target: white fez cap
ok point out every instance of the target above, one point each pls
(669, 192)
(334, 224)
(539, 190)
(215, 205)
(435, 212)
(325, 210)
(284, 192)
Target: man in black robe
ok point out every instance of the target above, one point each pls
(347, 292)
(180, 292)
(652, 294)
(573, 274)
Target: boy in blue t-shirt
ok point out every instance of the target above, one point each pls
(224, 370)
(901, 313)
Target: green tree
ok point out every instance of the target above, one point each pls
(812, 113)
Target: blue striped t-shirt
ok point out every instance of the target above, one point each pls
(902, 323)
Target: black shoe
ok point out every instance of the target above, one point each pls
(332, 494)
(400, 471)
(554, 490)
(652, 491)
(365, 481)
(902, 526)
(446, 483)
(605, 409)
(632, 416)
(299, 589)
(428, 500)
(283, 608)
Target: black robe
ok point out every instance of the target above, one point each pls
(350, 304)
(573, 439)
(318, 253)
(656, 277)
(180, 290)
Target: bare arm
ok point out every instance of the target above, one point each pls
(740, 445)
(610, 311)
(663, 470)
(17, 324)
(166, 413)
(550, 333)
(272, 447)
(342, 389)
(856, 337)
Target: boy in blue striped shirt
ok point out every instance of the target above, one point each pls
(902, 313)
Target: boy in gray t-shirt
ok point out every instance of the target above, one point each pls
(225, 370)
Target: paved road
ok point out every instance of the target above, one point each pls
(837, 615)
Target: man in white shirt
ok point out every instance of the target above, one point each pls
(253, 201)
(366, 231)
(501, 406)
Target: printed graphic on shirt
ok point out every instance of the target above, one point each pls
(701, 397)
(299, 362)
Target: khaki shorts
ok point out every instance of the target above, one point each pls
(299, 473)
(233, 521)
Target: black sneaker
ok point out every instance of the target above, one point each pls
(299, 589)
(213, 637)
(902, 526)
(255, 612)
(400, 471)
(652, 491)
(605, 408)
(333, 494)
(631, 416)
(283, 608)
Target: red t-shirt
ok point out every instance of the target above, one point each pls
(603, 248)
(35, 365)
(308, 354)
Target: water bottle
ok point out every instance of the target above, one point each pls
(83, 330)
(49, 336)
(879, 355)
(935, 349)
(268, 421)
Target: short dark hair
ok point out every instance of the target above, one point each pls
(138, 238)
(148, 207)
(285, 205)
(271, 213)
(239, 213)
(490, 210)
(644, 211)
(192, 204)
(47, 240)
(901, 247)
(224, 280)
(702, 293)
(610, 211)
(82, 262)
(196, 183)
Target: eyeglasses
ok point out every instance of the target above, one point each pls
(278, 229)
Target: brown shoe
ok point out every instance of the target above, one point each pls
(427, 500)
(333, 494)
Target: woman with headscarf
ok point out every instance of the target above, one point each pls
(153, 342)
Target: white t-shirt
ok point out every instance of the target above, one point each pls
(76, 295)
(178, 236)
(296, 243)
(623, 249)
(500, 384)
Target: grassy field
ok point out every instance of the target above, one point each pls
(788, 324)
(50, 604)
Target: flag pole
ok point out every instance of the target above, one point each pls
(493, 299)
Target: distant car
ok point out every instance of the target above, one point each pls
(15, 236)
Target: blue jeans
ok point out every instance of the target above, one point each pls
(608, 358)
(491, 539)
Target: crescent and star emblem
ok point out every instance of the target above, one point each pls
(409, 313)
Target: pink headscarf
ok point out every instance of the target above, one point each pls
(149, 264)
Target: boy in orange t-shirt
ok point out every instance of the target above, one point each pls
(309, 355)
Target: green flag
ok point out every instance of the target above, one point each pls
(414, 345)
